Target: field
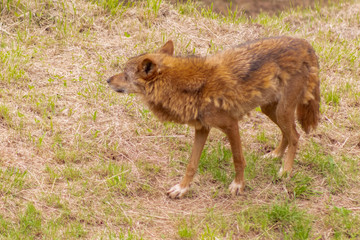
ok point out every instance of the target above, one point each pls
(78, 160)
(254, 7)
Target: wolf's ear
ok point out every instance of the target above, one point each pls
(147, 68)
(168, 48)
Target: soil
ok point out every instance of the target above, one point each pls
(254, 7)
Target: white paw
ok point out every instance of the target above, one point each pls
(271, 155)
(283, 174)
(177, 191)
(236, 188)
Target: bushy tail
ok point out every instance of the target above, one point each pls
(308, 112)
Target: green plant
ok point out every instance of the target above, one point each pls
(30, 222)
(115, 7)
(332, 97)
(71, 174)
(217, 162)
(186, 229)
(344, 223)
(12, 180)
(301, 186)
(5, 116)
(325, 165)
(117, 177)
(154, 5)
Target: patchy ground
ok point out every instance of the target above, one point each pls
(78, 160)
(254, 7)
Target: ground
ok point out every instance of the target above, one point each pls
(254, 7)
(78, 160)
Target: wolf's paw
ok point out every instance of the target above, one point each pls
(271, 154)
(177, 191)
(236, 188)
(283, 173)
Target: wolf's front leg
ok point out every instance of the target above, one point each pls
(179, 190)
(232, 131)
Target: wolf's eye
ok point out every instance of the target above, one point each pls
(126, 77)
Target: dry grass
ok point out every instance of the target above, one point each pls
(78, 160)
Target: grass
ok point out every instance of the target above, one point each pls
(78, 160)
(218, 163)
(344, 222)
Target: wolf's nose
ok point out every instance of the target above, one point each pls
(108, 80)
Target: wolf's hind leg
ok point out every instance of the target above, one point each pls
(285, 115)
(270, 111)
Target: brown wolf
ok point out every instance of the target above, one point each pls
(278, 74)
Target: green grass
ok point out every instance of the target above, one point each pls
(80, 161)
(346, 223)
(284, 218)
(12, 180)
(218, 163)
(13, 62)
(302, 186)
(256, 166)
(186, 229)
(5, 116)
(29, 225)
(113, 6)
(338, 177)
(332, 97)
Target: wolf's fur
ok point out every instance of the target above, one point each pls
(278, 74)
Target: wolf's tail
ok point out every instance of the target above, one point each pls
(308, 112)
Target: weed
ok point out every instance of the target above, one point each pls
(188, 8)
(186, 229)
(75, 230)
(257, 165)
(293, 222)
(128, 235)
(53, 174)
(209, 233)
(63, 155)
(253, 219)
(54, 201)
(12, 180)
(217, 162)
(234, 16)
(326, 165)
(154, 5)
(261, 137)
(332, 97)
(209, 12)
(71, 174)
(149, 169)
(5, 116)
(279, 219)
(13, 65)
(301, 186)
(117, 177)
(344, 223)
(30, 222)
(115, 7)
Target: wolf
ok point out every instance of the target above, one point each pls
(279, 74)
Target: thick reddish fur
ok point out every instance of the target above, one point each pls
(278, 74)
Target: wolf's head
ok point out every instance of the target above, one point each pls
(139, 70)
